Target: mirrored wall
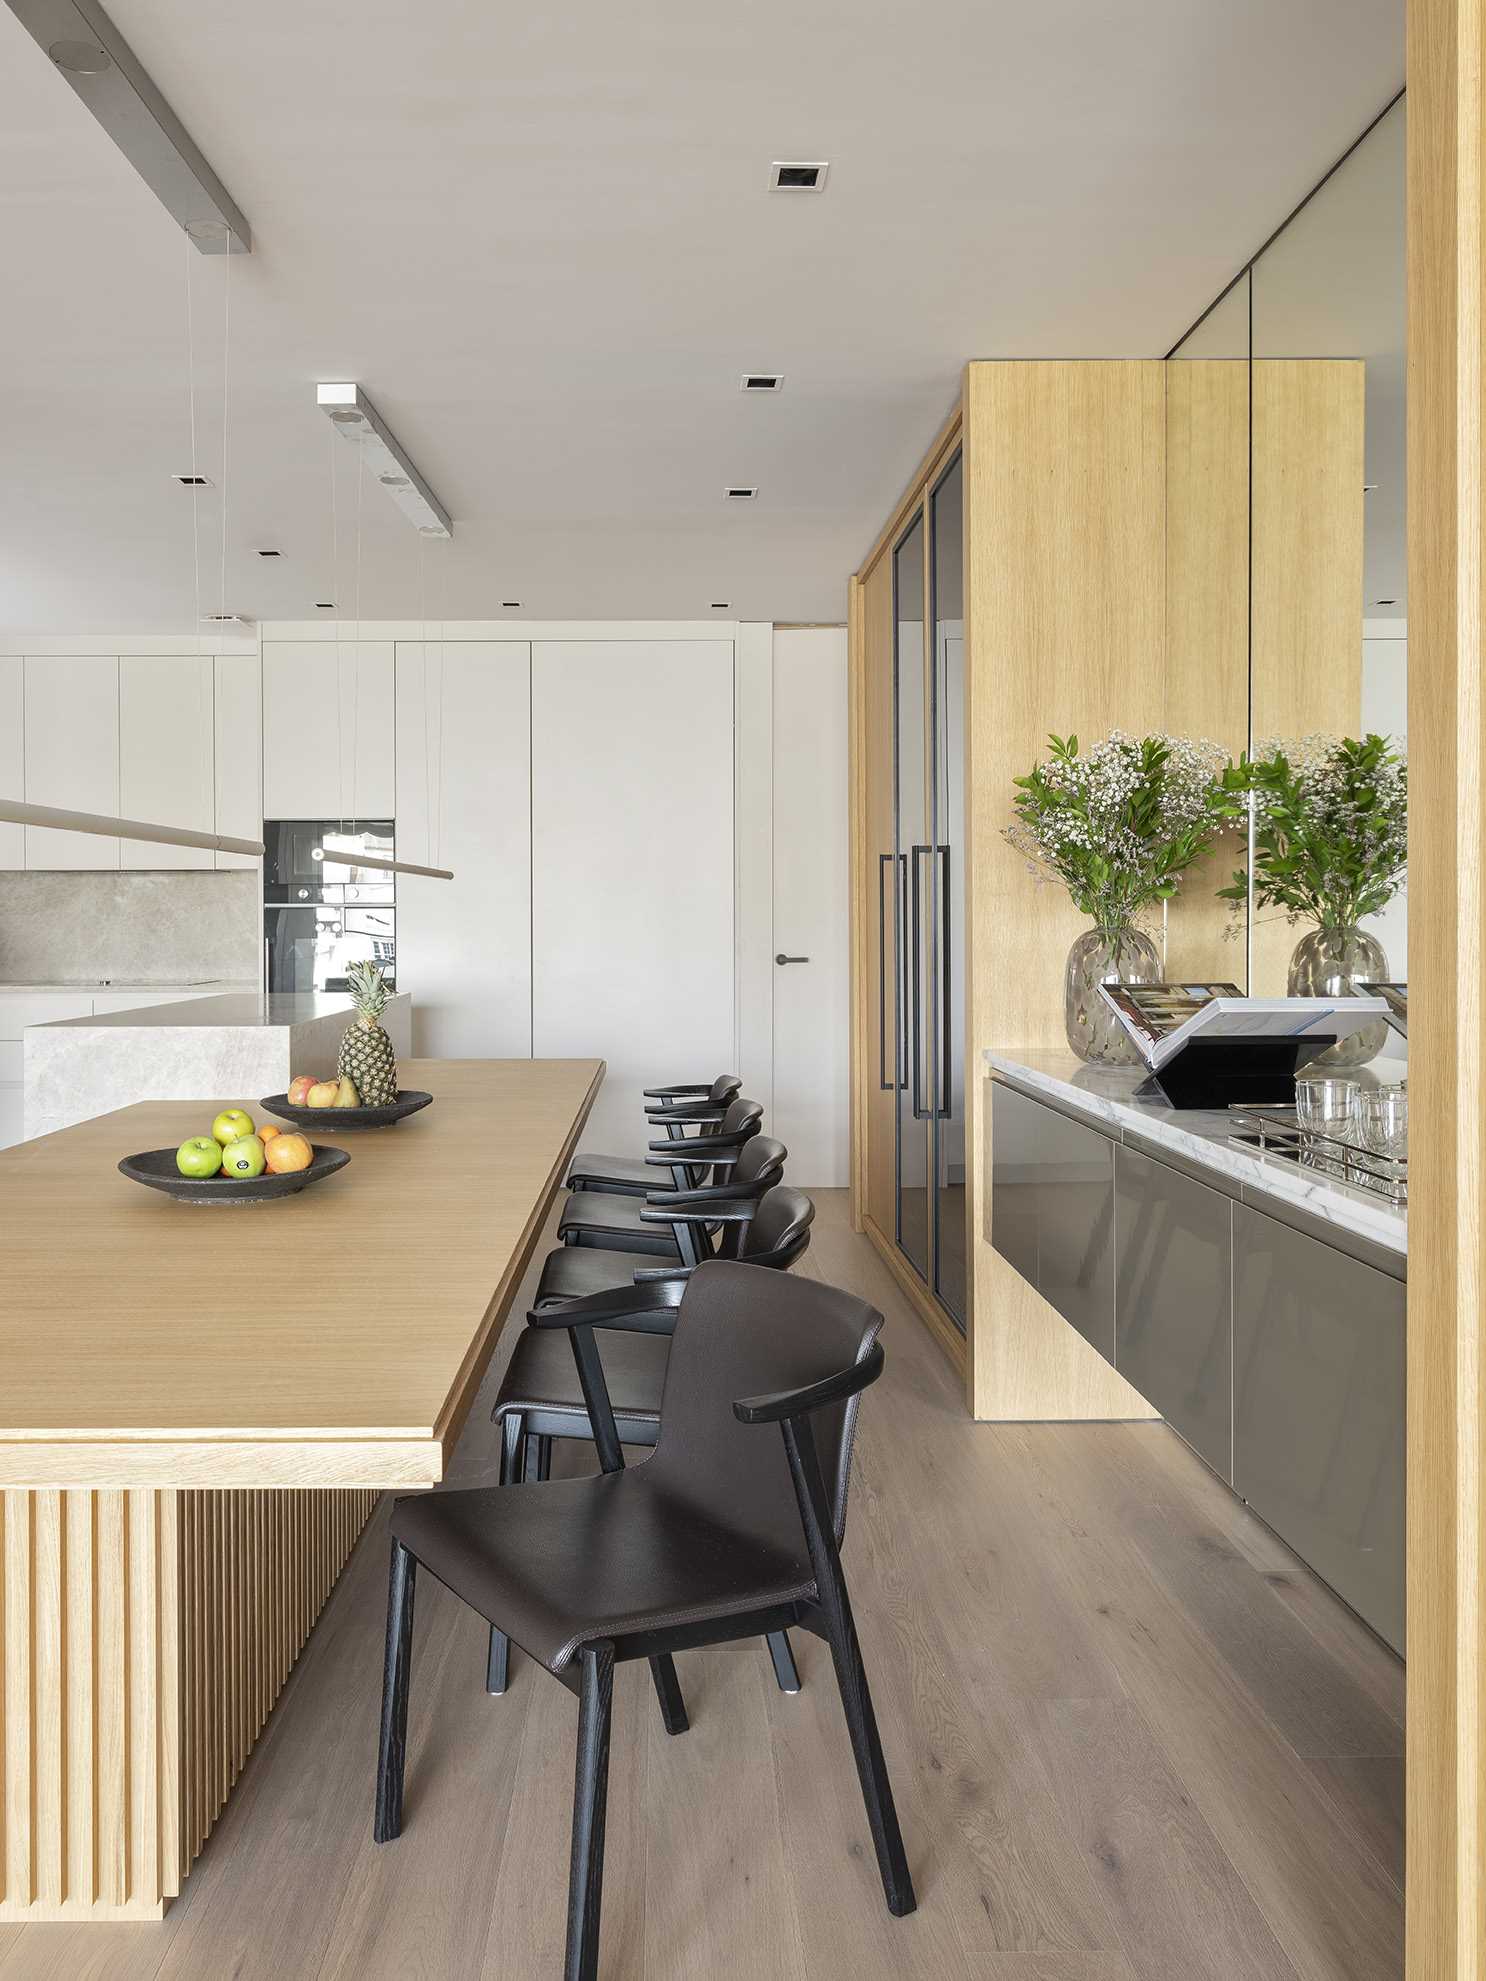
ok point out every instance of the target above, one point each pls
(1287, 560)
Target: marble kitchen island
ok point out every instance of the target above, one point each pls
(238, 1043)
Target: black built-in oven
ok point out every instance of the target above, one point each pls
(321, 910)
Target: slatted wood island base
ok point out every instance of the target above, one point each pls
(198, 1411)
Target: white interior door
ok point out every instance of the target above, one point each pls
(632, 866)
(811, 905)
(464, 802)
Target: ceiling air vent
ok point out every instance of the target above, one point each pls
(761, 381)
(740, 494)
(790, 176)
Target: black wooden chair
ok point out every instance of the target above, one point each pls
(620, 1224)
(720, 1535)
(541, 1394)
(676, 1109)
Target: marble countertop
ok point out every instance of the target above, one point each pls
(1107, 1094)
(231, 1011)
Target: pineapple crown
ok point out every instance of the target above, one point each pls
(368, 989)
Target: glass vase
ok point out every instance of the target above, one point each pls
(1335, 963)
(1105, 956)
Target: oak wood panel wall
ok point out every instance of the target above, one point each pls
(1446, 1938)
(1305, 675)
(1065, 469)
(144, 1638)
(1207, 626)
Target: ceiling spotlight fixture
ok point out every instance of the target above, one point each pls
(270, 553)
(193, 481)
(740, 494)
(1387, 601)
(86, 48)
(511, 604)
(721, 605)
(234, 619)
(349, 409)
(761, 381)
(324, 605)
(793, 177)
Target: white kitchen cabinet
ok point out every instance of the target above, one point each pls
(239, 752)
(12, 754)
(165, 753)
(464, 801)
(72, 753)
(632, 866)
(328, 729)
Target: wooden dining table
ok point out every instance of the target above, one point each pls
(199, 1407)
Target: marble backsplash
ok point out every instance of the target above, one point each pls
(131, 928)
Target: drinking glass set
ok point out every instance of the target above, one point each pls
(1338, 1110)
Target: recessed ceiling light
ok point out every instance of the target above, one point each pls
(193, 481)
(324, 605)
(1387, 601)
(270, 553)
(740, 494)
(511, 604)
(791, 176)
(761, 381)
(722, 605)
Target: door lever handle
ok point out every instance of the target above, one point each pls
(782, 958)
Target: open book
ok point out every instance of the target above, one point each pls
(1163, 1018)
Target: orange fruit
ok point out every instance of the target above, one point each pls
(267, 1132)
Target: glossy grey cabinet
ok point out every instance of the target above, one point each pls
(1173, 1300)
(1318, 1409)
(1052, 1210)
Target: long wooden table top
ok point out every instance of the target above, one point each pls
(331, 1338)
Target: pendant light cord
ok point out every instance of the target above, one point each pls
(226, 356)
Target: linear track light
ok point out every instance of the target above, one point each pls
(357, 418)
(83, 44)
(13, 812)
(352, 857)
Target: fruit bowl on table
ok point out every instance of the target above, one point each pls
(408, 1101)
(157, 1169)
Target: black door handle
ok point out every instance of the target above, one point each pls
(782, 958)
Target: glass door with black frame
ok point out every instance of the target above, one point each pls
(915, 886)
(947, 904)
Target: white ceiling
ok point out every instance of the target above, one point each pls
(543, 243)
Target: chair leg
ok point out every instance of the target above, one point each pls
(498, 1657)
(393, 1742)
(861, 1721)
(785, 1670)
(538, 1464)
(590, 1797)
(668, 1692)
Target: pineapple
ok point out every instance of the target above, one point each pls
(366, 1054)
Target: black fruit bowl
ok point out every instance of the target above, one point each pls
(156, 1169)
(328, 1119)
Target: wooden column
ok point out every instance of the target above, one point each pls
(1447, 950)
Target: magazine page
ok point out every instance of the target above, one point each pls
(1153, 1013)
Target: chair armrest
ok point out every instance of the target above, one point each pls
(725, 1208)
(648, 1309)
(815, 1396)
(686, 1111)
(663, 1275)
(695, 1092)
(696, 1149)
(669, 1201)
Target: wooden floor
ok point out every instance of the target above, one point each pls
(1132, 1740)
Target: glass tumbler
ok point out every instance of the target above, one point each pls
(1383, 1120)
(1326, 1106)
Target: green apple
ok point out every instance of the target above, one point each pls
(200, 1157)
(231, 1125)
(244, 1158)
